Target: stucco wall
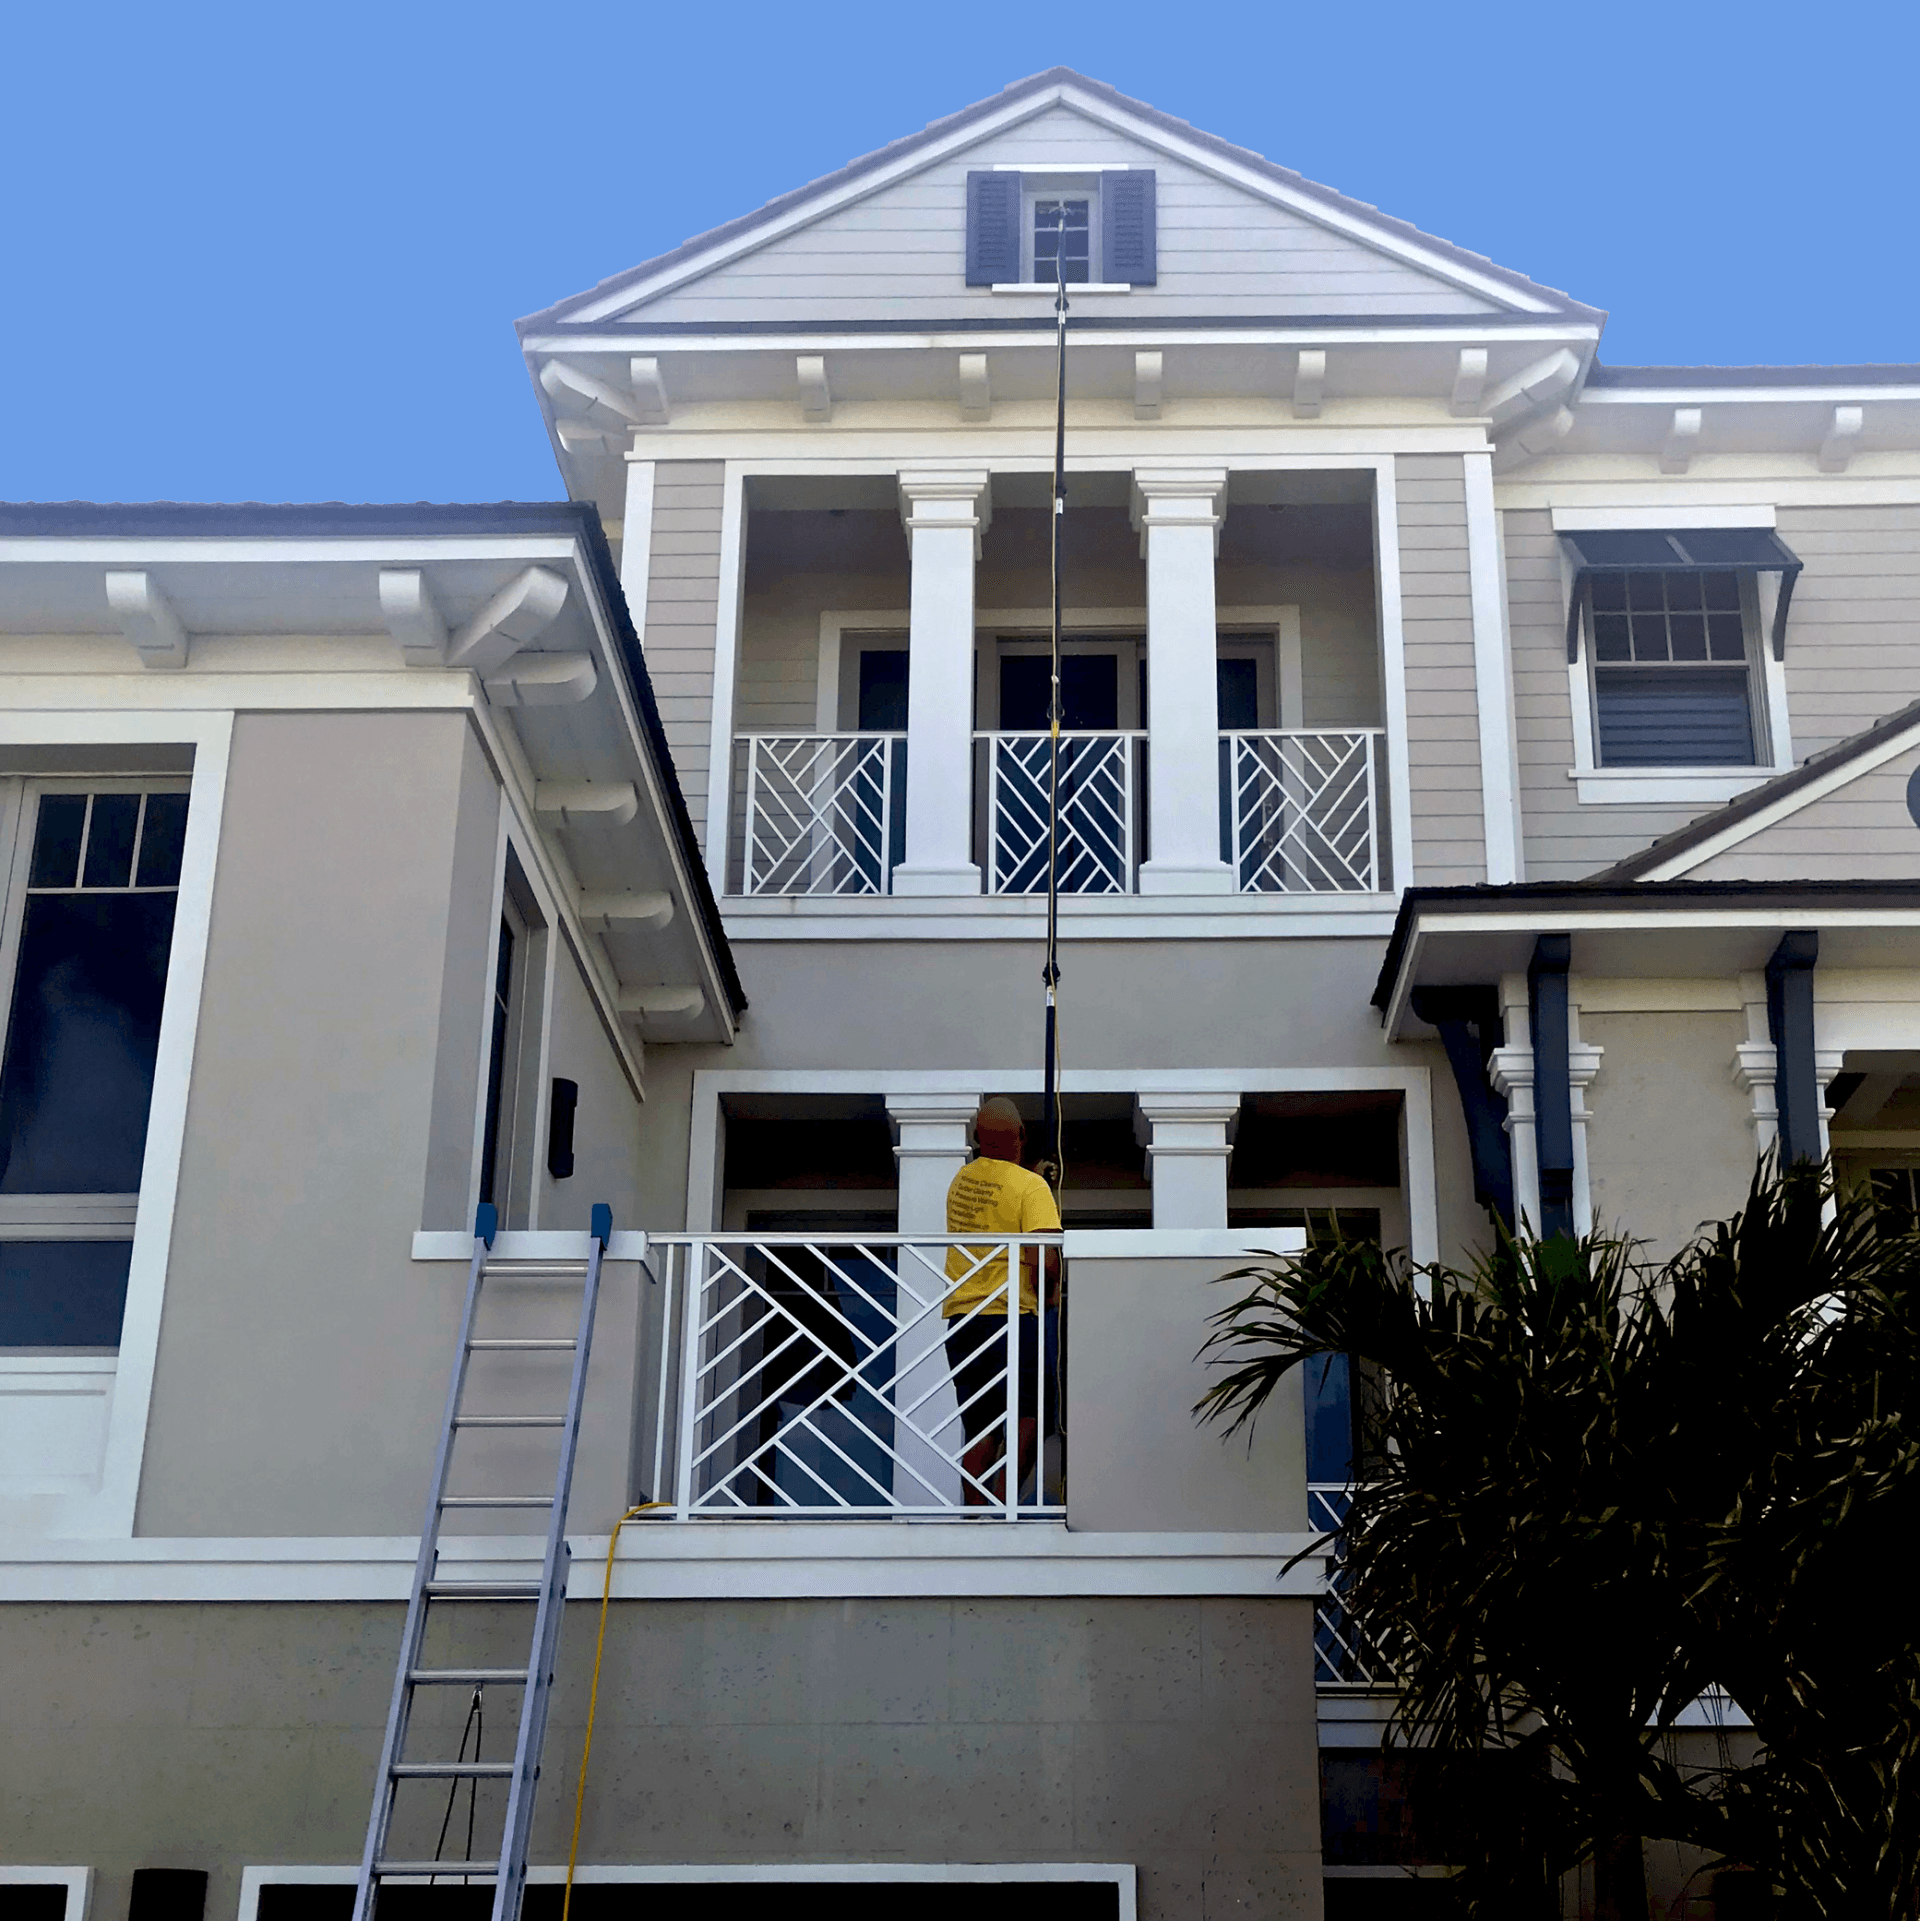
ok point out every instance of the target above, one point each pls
(1174, 1733)
(1670, 1144)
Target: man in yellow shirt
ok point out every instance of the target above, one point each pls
(995, 1195)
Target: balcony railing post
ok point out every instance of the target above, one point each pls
(693, 1289)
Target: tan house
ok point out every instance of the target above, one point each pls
(1489, 779)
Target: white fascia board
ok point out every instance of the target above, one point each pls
(694, 1560)
(1708, 917)
(230, 550)
(1227, 331)
(1117, 120)
(1668, 397)
(1678, 515)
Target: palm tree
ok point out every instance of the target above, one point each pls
(1593, 1490)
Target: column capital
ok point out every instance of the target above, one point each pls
(946, 499)
(1177, 497)
(1182, 1121)
(933, 1123)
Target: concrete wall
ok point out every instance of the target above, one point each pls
(1670, 1144)
(1443, 727)
(683, 606)
(334, 1087)
(1139, 1463)
(901, 252)
(1177, 1734)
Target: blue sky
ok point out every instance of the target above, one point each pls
(275, 252)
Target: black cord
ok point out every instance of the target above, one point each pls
(476, 1726)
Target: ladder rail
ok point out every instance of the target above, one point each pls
(413, 1634)
(518, 1826)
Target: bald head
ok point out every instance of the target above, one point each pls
(998, 1131)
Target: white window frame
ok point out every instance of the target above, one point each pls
(1036, 187)
(105, 1507)
(1676, 786)
(78, 1883)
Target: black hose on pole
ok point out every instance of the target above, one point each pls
(1050, 1127)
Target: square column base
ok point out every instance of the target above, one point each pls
(1205, 877)
(937, 880)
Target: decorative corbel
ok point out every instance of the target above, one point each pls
(1469, 382)
(816, 397)
(586, 803)
(1842, 440)
(583, 397)
(649, 390)
(542, 680)
(1309, 382)
(976, 393)
(147, 618)
(407, 607)
(1148, 369)
(1683, 439)
(619, 913)
(662, 1003)
(514, 618)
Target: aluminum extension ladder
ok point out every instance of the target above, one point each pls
(546, 1595)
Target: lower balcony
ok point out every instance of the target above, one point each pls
(1301, 811)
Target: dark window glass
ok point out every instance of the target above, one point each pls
(1089, 693)
(1328, 1380)
(162, 834)
(1610, 637)
(497, 1062)
(1610, 593)
(111, 826)
(81, 1041)
(1061, 231)
(37, 1901)
(1674, 717)
(883, 690)
(62, 1293)
(1239, 682)
(56, 840)
(1727, 636)
(1689, 636)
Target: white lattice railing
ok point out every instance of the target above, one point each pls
(1300, 811)
(1096, 812)
(801, 1375)
(1341, 1657)
(822, 812)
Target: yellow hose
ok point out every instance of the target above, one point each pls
(593, 1696)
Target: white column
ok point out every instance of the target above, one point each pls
(1492, 676)
(1189, 1137)
(1756, 1066)
(1511, 1072)
(946, 511)
(1583, 1064)
(931, 1145)
(1178, 512)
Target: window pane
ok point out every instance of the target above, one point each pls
(81, 1042)
(56, 840)
(1689, 634)
(1673, 717)
(161, 839)
(1649, 636)
(1683, 592)
(1610, 592)
(1722, 590)
(1610, 637)
(62, 1293)
(110, 840)
(1726, 634)
(1643, 591)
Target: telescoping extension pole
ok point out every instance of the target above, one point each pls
(1050, 1131)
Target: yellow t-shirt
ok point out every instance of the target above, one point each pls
(995, 1197)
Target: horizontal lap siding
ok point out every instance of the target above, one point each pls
(902, 251)
(1564, 840)
(1853, 632)
(1861, 831)
(1443, 727)
(683, 608)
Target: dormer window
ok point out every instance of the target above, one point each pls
(1099, 220)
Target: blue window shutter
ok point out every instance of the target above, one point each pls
(1129, 245)
(993, 228)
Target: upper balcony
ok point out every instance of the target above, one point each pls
(851, 780)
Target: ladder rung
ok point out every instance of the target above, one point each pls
(450, 1770)
(516, 1344)
(437, 1867)
(509, 1420)
(468, 1677)
(496, 1500)
(483, 1590)
(537, 1271)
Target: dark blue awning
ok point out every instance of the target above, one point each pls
(1681, 550)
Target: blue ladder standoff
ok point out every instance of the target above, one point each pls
(505, 1865)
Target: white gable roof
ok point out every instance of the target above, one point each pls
(885, 237)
